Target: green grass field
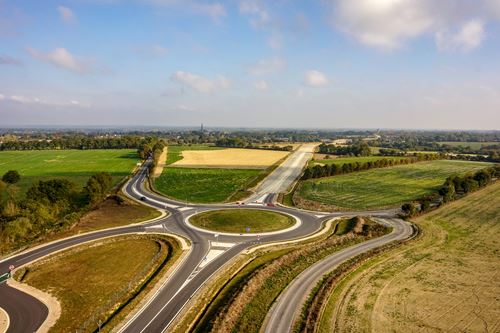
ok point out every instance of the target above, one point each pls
(237, 220)
(472, 145)
(74, 165)
(204, 185)
(387, 187)
(174, 152)
(362, 159)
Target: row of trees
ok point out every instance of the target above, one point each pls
(319, 171)
(453, 188)
(48, 206)
(358, 149)
(236, 142)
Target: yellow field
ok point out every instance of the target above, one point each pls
(446, 281)
(230, 158)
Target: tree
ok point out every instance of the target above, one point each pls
(98, 187)
(11, 177)
(409, 209)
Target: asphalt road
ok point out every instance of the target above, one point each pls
(205, 258)
(282, 315)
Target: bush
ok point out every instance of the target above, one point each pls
(11, 177)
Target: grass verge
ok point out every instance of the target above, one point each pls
(109, 286)
(238, 220)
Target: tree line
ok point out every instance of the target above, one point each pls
(453, 188)
(48, 206)
(356, 149)
(320, 171)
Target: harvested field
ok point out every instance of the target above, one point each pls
(446, 280)
(230, 158)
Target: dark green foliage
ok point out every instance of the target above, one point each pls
(357, 149)
(11, 177)
(52, 190)
(98, 186)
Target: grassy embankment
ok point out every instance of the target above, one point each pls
(206, 185)
(243, 302)
(75, 165)
(380, 188)
(237, 220)
(110, 288)
(446, 280)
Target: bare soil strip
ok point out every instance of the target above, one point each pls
(161, 163)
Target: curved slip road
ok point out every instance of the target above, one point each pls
(207, 253)
(287, 307)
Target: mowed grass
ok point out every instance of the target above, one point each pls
(74, 165)
(204, 185)
(361, 159)
(472, 144)
(238, 220)
(86, 279)
(444, 281)
(385, 187)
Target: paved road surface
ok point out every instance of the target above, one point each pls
(207, 255)
(282, 315)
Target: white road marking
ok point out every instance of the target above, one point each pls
(221, 244)
(211, 255)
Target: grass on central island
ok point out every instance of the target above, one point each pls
(238, 220)
(92, 279)
(387, 187)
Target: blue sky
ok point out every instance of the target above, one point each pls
(248, 63)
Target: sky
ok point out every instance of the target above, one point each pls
(246, 63)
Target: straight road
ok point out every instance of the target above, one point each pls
(284, 312)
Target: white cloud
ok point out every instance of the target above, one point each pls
(469, 37)
(383, 23)
(66, 14)
(200, 83)
(62, 58)
(267, 66)
(314, 78)
(43, 101)
(259, 15)
(261, 85)
(389, 24)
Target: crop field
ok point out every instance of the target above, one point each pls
(230, 158)
(174, 153)
(471, 144)
(445, 281)
(106, 280)
(387, 187)
(74, 165)
(205, 185)
(238, 220)
(342, 160)
(207, 174)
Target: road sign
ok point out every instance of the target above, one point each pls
(4, 277)
(11, 267)
(247, 229)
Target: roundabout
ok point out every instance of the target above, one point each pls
(243, 221)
